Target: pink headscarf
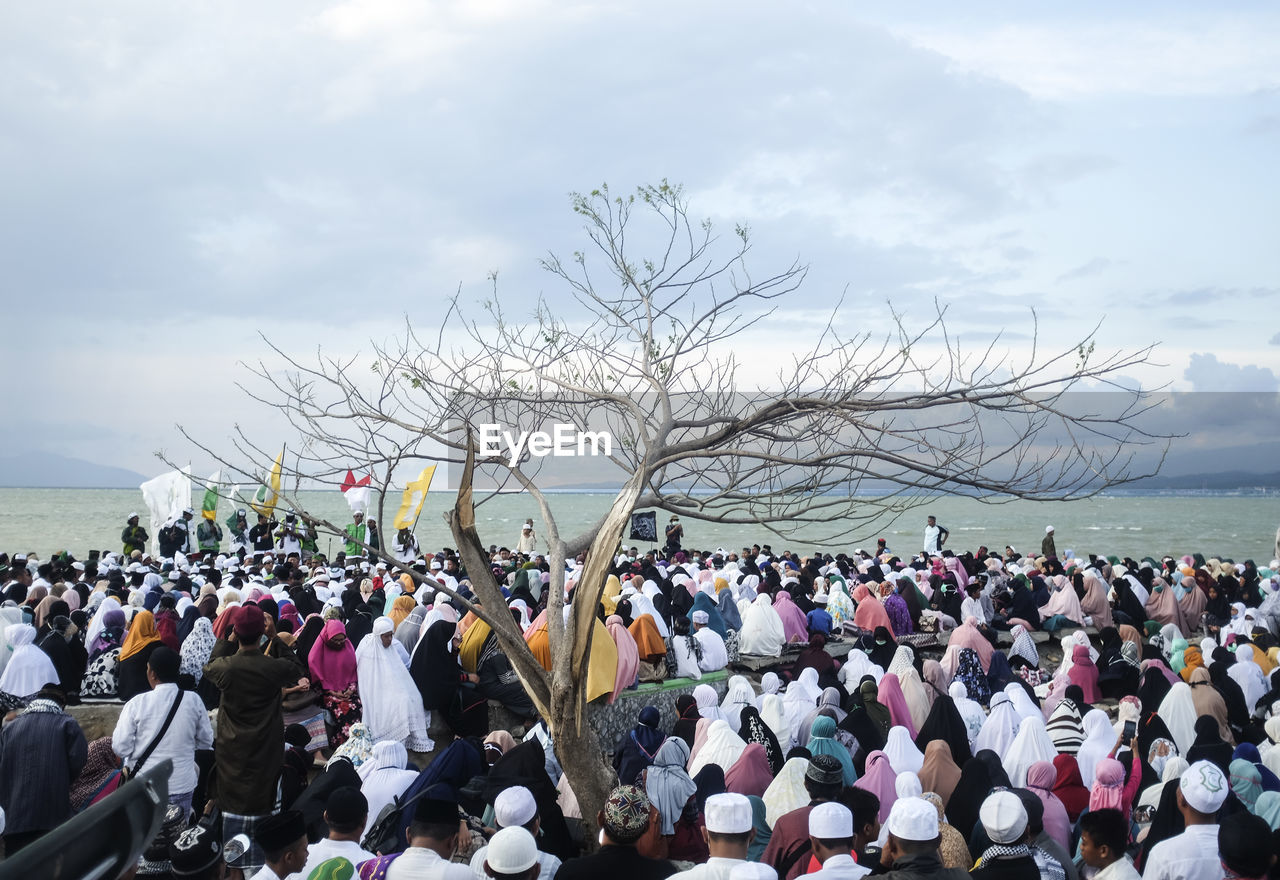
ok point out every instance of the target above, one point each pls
(750, 774)
(628, 656)
(966, 635)
(1041, 777)
(881, 781)
(1108, 786)
(795, 626)
(1164, 608)
(890, 696)
(869, 612)
(1095, 602)
(1063, 601)
(538, 622)
(1084, 673)
(332, 669)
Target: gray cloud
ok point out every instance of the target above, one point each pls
(1206, 373)
(1096, 266)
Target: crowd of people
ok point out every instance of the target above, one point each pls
(1149, 749)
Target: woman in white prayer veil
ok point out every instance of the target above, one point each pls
(1178, 711)
(774, 713)
(1022, 702)
(902, 752)
(8, 617)
(737, 697)
(723, 747)
(96, 625)
(1099, 739)
(801, 697)
(856, 665)
(762, 633)
(29, 668)
(903, 659)
(787, 791)
(970, 712)
(1032, 744)
(769, 684)
(392, 706)
(746, 588)
(1079, 637)
(1000, 727)
(708, 703)
(385, 777)
(1248, 674)
(642, 604)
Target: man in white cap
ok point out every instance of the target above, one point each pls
(515, 807)
(911, 850)
(714, 654)
(134, 536)
(1047, 548)
(527, 540)
(831, 836)
(511, 855)
(1004, 818)
(1193, 854)
(728, 834)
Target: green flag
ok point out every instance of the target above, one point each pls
(209, 509)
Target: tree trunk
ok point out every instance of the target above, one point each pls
(582, 758)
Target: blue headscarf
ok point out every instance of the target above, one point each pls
(703, 602)
(822, 742)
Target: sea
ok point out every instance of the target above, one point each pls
(1236, 526)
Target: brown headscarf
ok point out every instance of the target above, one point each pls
(1209, 702)
(939, 772)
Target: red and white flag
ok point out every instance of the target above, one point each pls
(357, 492)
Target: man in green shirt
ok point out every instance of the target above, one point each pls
(356, 534)
(134, 536)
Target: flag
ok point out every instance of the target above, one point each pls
(356, 492)
(209, 509)
(166, 496)
(409, 510)
(644, 526)
(264, 502)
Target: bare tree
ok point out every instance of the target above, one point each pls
(856, 428)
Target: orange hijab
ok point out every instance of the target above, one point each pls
(142, 632)
(400, 608)
(648, 642)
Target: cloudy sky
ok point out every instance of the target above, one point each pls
(181, 177)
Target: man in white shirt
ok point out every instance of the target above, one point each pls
(528, 540)
(283, 840)
(515, 807)
(714, 654)
(728, 833)
(972, 606)
(1193, 854)
(346, 813)
(831, 836)
(143, 717)
(434, 836)
(934, 537)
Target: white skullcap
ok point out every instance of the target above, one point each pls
(1003, 816)
(752, 871)
(913, 818)
(701, 617)
(1204, 786)
(728, 814)
(514, 806)
(511, 851)
(1048, 529)
(831, 821)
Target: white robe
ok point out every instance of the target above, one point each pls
(391, 704)
(714, 654)
(762, 633)
(1099, 740)
(1031, 744)
(723, 747)
(29, 669)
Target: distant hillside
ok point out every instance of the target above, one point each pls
(1223, 481)
(45, 470)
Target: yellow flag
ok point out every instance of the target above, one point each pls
(409, 509)
(265, 500)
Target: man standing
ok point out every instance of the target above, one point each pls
(374, 540)
(356, 534)
(238, 526)
(182, 527)
(935, 536)
(208, 536)
(42, 751)
(675, 535)
(164, 722)
(250, 739)
(1047, 548)
(290, 536)
(527, 541)
(134, 536)
(1193, 854)
(262, 535)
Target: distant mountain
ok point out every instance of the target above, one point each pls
(46, 470)
(1223, 481)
